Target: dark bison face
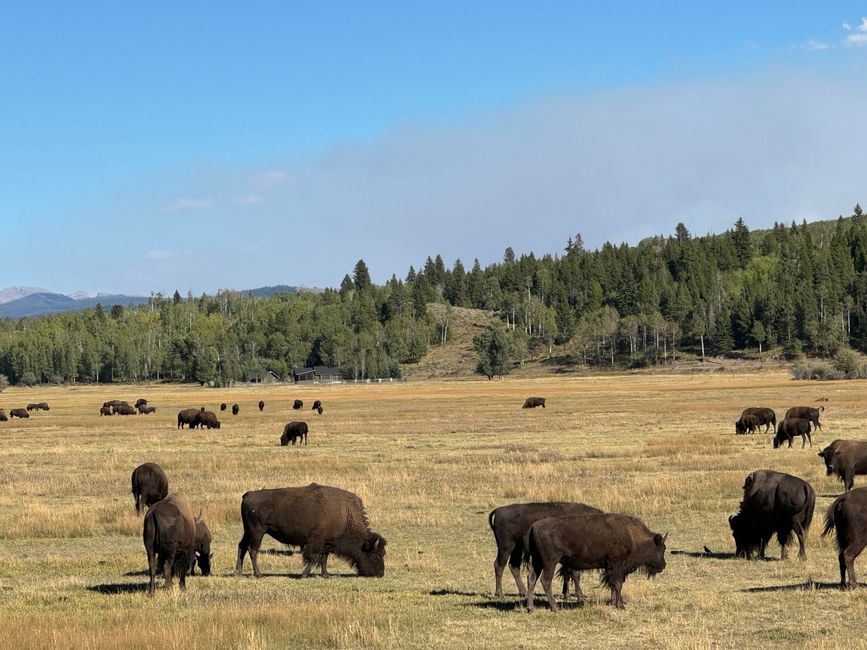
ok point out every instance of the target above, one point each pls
(740, 427)
(371, 562)
(657, 563)
(827, 455)
(744, 537)
(215, 425)
(204, 561)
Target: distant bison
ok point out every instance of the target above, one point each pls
(208, 419)
(533, 402)
(294, 431)
(105, 410)
(140, 402)
(766, 417)
(115, 402)
(261, 405)
(124, 409)
(845, 459)
(202, 548)
(316, 405)
(319, 519)
(791, 427)
(617, 544)
(773, 503)
(223, 406)
(190, 417)
(808, 413)
(297, 404)
(235, 409)
(19, 413)
(3, 417)
(169, 538)
(149, 485)
(319, 410)
(511, 522)
(747, 424)
(41, 406)
(146, 410)
(848, 515)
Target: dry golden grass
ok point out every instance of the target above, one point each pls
(430, 461)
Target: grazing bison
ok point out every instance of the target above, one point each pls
(261, 405)
(533, 402)
(115, 402)
(235, 409)
(511, 522)
(41, 406)
(791, 427)
(319, 519)
(202, 548)
(208, 419)
(747, 424)
(773, 503)
(316, 405)
(190, 417)
(766, 417)
(294, 431)
(3, 417)
(848, 515)
(319, 410)
(846, 459)
(140, 402)
(297, 404)
(105, 410)
(169, 538)
(19, 413)
(617, 544)
(149, 485)
(146, 410)
(808, 413)
(124, 409)
(223, 406)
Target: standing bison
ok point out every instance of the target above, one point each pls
(123, 409)
(201, 548)
(261, 405)
(747, 424)
(147, 410)
(40, 406)
(791, 427)
(149, 485)
(808, 413)
(533, 402)
(223, 406)
(19, 413)
(190, 417)
(235, 409)
(765, 416)
(292, 432)
(617, 544)
(169, 538)
(848, 515)
(105, 410)
(845, 459)
(773, 503)
(207, 419)
(297, 404)
(3, 417)
(316, 405)
(319, 519)
(141, 401)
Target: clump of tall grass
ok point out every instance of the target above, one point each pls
(846, 364)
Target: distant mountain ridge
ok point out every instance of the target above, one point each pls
(29, 302)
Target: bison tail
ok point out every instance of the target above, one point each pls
(821, 408)
(830, 524)
(491, 518)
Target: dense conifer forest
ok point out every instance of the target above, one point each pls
(797, 288)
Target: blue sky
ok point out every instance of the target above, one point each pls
(206, 145)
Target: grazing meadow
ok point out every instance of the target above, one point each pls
(429, 460)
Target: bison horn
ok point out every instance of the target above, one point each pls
(730, 518)
(664, 537)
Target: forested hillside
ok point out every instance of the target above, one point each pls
(802, 288)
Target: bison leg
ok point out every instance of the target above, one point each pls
(849, 479)
(152, 571)
(531, 588)
(802, 540)
(323, 563)
(617, 592)
(499, 564)
(166, 568)
(515, 567)
(137, 497)
(546, 578)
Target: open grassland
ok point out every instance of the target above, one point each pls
(430, 460)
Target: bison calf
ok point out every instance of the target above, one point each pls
(848, 515)
(791, 427)
(617, 544)
(201, 548)
(292, 432)
(747, 424)
(765, 417)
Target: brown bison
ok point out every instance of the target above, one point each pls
(617, 544)
(19, 413)
(773, 503)
(297, 404)
(115, 402)
(3, 417)
(169, 538)
(40, 406)
(319, 410)
(747, 424)
(845, 459)
(202, 548)
(510, 523)
(766, 417)
(140, 402)
(808, 413)
(294, 431)
(190, 417)
(223, 406)
(319, 519)
(105, 410)
(147, 410)
(261, 405)
(791, 427)
(149, 485)
(533, 402)
(316, 405)
(207, 419)
(124, 409)
(235, 409)
(848, 515)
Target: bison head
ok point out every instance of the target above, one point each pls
(657, 560)
(202, 551)
(829, 456)
(371, 561)
(746, 540)
(740, 427)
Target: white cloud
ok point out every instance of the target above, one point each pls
(856, 39)
(863, 26)
(249, 199)
(847, 26)
(184, 203)
(158, 255)
(269, 180)
(815, 46)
